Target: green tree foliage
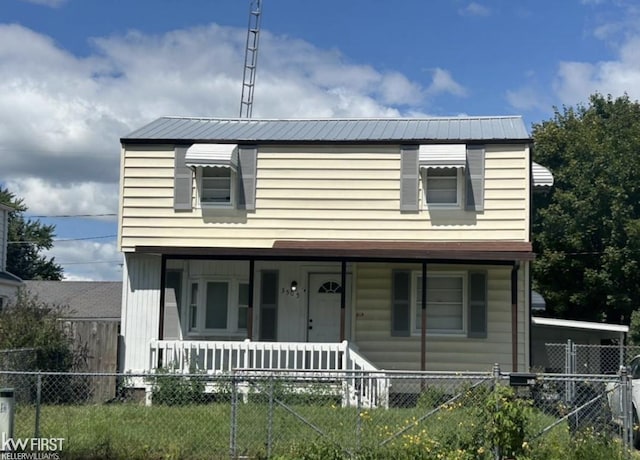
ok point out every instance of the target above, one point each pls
(587, 229)
(28, 238)
(31, 323)
(634, 328)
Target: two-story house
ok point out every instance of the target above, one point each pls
(9, 283)
(328, 243)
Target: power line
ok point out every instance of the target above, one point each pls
(57, 216)
(63, 240)
(119, 262)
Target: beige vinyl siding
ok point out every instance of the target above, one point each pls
(307, 192)
(444, 353)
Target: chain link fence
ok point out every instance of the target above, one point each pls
(285, 415)
(573, 358)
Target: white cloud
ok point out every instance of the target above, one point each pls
(474, 9)
(528, 98)
(61, 115)
(55, 198)
(443, 82)
(575, 81)
(49, 3)
(88, 260)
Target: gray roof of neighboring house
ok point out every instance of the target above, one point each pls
(10, 278)
(372, 130)
(85, 299)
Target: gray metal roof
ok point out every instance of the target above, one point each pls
(176, 129)
(85, 299)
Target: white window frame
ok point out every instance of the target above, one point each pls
(232, 192)
(416, 303)
(459, 189)
(233, 307)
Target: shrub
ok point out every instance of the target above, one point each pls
(173, 389)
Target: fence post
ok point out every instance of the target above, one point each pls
(627, 408)
(496, 381)
(270, 416)
(359, 389)
(234, 421)
(36, 433)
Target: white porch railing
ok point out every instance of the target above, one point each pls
(190, 356)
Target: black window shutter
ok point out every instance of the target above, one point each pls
(474, 172)
(477, 305)
(182, 182)
(247, 170)
(409, 178)
(401, 303)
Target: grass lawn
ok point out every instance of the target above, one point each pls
(203, 431)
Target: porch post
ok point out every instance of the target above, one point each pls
(163, 281)
(343, 298)
(423, 318)
(514, 317)
(250, 306)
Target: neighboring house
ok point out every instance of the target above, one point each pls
(265, 243)
(9, 283)
(83, 300)
(91, 316)
(91, 312)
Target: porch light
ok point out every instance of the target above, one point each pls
(294, 286)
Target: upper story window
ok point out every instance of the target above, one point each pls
(447, 175)
(216, 168)
(442, 187)
(216, 186)
(442, 167)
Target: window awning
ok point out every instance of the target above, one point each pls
(542, 177)
(212, 156)
(442, 155)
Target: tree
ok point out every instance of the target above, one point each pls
(31, 323)
(587, 229)
(27, 239)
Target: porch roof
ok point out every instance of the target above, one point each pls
(490, 251)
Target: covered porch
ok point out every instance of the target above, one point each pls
(293, 306)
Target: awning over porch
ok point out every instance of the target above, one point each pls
(363, 250)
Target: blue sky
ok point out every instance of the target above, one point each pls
(76, 75)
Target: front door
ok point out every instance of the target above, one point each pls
(323, 320)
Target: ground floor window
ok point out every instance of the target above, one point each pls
(218, 305)
(446, 305)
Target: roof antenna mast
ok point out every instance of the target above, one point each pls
(250, 59)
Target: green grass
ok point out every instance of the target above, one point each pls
(133, 431)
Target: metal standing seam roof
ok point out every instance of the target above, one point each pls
(331, 130)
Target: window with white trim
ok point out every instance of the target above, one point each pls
(442, 187)
(216, 186)
(217, 305)
(446, 303)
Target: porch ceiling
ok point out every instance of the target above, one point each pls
(490, 251)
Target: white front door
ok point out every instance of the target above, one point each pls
(323, 320)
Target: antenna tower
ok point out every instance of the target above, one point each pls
(250, 59)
